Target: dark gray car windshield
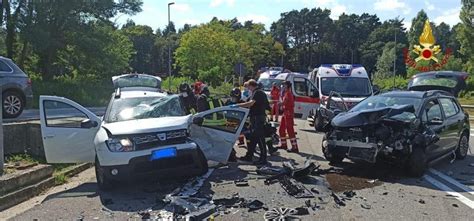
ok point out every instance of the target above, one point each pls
(374, 102)
(134, 108)
(346, 86)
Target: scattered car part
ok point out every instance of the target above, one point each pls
(366, 206)
(349, 193)
(294, 188)
(301, 211)
(241, 183)
(280, 214)
(338, 200)
(255, 205)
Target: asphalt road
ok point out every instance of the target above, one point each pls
(33, 114)
(382, 192)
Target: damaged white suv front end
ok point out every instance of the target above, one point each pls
(143, 133)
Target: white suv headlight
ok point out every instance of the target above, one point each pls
(120, 145)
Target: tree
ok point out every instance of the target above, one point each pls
(373, 47)
(48, 28)
(466, 34)
(416, 28)
(207, 52)
(384, 64)
(143, 40)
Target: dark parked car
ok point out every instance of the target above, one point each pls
(16, 88)
(412, 128)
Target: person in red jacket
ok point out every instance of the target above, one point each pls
(275, 95)
(287, 120)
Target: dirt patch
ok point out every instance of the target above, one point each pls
(342, 182)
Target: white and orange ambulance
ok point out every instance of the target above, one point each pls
(306, 93)
(351, 81)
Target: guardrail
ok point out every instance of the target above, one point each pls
(469, 107)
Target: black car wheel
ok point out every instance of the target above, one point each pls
(331, 157)
(417, 162)
(463, 146)
(13, 104)
(318, 121)
(103, 182)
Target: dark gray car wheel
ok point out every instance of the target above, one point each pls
(417, 163)
(13, 104)
(331, 157)
(463, 147)
(318, 121)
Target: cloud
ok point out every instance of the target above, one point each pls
(406, 24)
(450, 17)
(337, 10)
(429, 6)
(181, 7)
(389, 5)
(216, 3)
(255, 18)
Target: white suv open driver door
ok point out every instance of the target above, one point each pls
(68, 130)
(218, 132)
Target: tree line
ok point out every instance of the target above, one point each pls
(79, 39)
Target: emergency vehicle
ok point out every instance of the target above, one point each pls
(351, 81)
(305, 92)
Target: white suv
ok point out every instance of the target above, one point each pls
(143, 133)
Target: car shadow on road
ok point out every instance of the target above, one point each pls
(354, 176)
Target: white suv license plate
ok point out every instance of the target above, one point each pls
(169, 152)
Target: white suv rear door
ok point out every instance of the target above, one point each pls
(68, 130)
(217, 138)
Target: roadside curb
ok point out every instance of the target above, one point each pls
(25, 193)
(76, 169)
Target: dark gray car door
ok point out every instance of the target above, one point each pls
(433, 118)
(453, 122)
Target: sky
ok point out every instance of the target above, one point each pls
(155, 14)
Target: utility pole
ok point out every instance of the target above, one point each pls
(169, 47)
(395, 58)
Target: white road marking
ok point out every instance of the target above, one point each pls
(452, 181)
(449, 191)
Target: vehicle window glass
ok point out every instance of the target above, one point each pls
(450, 108)
(59, 114)
(228, 121)
(346, 86)
(4, 67)
(432, 111)
(386, 101)
(268, 83)
(135, 108)
(301, 87)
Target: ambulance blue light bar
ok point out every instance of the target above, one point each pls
(342, 69)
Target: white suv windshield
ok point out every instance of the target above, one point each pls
(134, 108)
(346, 86)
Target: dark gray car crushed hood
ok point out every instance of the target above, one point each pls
(368, 117)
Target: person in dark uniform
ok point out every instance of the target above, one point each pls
(257, 104)
(202, 103)
(235, 97)
(187, 97)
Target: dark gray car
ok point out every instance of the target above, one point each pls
(16, 88)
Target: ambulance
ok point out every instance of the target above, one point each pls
(306, 93)
(351, 81)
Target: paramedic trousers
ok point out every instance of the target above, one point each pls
(275, 110)
(257, 137)
(286, 126)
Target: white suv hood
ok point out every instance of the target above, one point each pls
(148, 125)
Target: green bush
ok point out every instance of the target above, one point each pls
(388, 83)
(86, 91)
